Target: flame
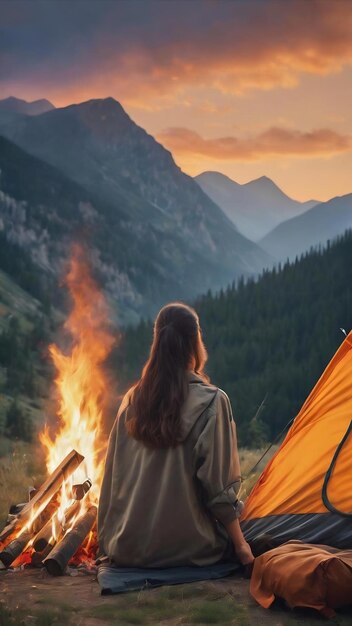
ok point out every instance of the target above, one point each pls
(81, 384)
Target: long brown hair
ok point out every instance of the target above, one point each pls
(162, 389)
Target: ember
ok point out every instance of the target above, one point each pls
(58, 522)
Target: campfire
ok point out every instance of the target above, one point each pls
(57, 526)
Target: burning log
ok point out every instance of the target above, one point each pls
(14, 548)
(79, 491)
(37, 558)
(47, 513)
(59, 557)
(45, 535)
(15, 509)
(40, 500)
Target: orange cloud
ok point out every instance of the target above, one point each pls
(270, 143)
(229, 47)
(254, 45)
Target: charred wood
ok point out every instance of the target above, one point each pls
(14, 549)
(59, 557)
(38, 557)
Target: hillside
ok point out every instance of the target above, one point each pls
(255, 207)
(24, 336)
(318, 225)
(98, 146)
(267, 339)
(141, 263)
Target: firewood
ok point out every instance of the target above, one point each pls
(79, 491)
(38, 557)
(14, 548)
(46, 515)
(15, 509)
(44, 536)
(40, 500)
(59, 557)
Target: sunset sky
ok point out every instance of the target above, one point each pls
(244, 87)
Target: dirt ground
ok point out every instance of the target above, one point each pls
(32, 597)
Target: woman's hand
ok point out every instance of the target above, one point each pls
(242, 548)
(244, 553)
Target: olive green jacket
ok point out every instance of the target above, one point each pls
(166, 507)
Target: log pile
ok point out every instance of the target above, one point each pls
(53, 538)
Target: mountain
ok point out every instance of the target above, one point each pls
(255, 207)
(324, 221)
(268, 339)
(141, 262)
(98, 146)
(16, 105)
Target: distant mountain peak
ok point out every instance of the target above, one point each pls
(264, 182)
(17, 105)
(214, 175)
(107, 105)
(255, 207)
(109, 101)
(261, 181)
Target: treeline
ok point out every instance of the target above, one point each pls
(16, 262)
(20, 363)
(268, 339)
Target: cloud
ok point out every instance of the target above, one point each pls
(143, 51)
(272, 142)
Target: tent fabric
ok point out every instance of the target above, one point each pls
(311, 576)
(332, 529)
(305, 491)
(113, 580)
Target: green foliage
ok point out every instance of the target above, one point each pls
(21, 355)
(16, 262)
(270, 338)
(18, 423)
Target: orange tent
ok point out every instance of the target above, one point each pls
(305, 492)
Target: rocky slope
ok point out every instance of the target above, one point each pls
(187, 244)
(141, 263)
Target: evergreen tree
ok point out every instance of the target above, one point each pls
(18, 423)
(270, 337)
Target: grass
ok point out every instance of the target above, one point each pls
(38, 618)
(185, 603)
(22, 467)
(58, 615)
(11, 618)
(224, 611)
(248, 459)
(224, 603)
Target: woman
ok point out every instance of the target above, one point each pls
(172, 470)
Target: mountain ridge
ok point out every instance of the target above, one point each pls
(18, 105)
(42, 212)
(255, 207)
(98, 145)
(315, 227)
